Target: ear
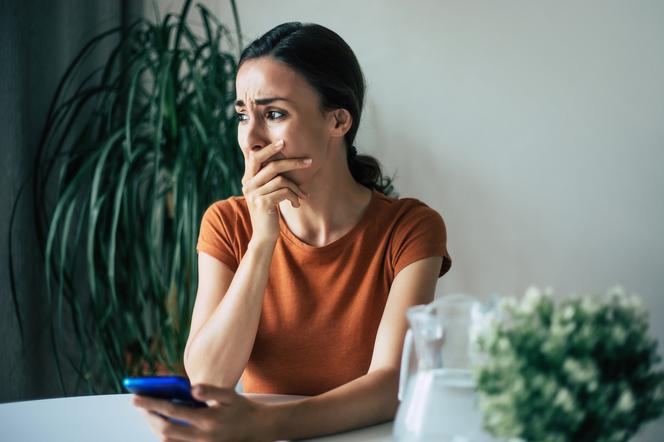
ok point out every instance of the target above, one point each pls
(340, 122)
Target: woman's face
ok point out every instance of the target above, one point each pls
(276, 103)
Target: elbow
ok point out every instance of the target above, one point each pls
(388, 379)
(201, 367)
(199, 374)
(194, 372)
(391, 386)
(217, 380)
(188, 369)
(393, 392)
(186, 360)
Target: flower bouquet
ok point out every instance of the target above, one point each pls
(580, 369)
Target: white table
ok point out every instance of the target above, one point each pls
(113, 418)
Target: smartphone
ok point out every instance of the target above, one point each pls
(174, 388)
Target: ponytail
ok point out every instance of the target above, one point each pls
(366, 170)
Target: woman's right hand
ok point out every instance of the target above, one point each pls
(264, 187)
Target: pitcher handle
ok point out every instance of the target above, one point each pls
(404, 373)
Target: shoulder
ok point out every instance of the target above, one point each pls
(223, 230)
(415, 231)
(228, 214)
(408, 211)
(230, 205)
(227, 209)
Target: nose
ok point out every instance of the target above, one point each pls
(252, 136)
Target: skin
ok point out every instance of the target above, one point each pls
(335, 200)
(320, 202)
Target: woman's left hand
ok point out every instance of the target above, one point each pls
(228, 417)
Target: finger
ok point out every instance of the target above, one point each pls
(167, 408)
(280, 182)
(204, 392)
(273, 169)
(255, 159)
(172, 431)
(166, 430)
(155, 422)
(268, 151)
(280, 195)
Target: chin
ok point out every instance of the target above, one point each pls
(296, 176)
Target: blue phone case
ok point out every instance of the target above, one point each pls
(174, 388)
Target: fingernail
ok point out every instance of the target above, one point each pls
(279, 144)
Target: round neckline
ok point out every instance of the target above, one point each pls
(290, 236)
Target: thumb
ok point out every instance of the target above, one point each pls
(205, 392)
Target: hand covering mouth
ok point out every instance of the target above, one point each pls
(269, 160)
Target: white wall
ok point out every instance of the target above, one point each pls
(535, 128)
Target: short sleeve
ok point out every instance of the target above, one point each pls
(214, 236)
(420, 234)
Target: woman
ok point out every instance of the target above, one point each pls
(305, 280)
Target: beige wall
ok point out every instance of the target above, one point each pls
(535, 128)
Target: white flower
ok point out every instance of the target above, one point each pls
(559, 329)
(626, 300)
(589, 305)
(507, 304)
(564, 400)
(503, 344)
(531, 300)
(482, 321)
(568, 312)
(580, 372)
(626, 402)
(619, 334)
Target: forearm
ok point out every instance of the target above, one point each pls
(220, 350)
(365, 401)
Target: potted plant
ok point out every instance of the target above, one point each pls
(583, 368)
(130, 157)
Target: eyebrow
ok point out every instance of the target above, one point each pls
(263, 101)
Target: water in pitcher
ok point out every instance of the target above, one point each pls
(446, 397)
(438, 399)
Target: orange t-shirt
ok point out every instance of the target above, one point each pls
(323, 305)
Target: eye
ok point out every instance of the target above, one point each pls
(240, 117)
(274, 115)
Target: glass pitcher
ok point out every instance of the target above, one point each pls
(436, 388)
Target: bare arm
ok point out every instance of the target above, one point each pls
(220, 343)
(228, 306)
(372, 398)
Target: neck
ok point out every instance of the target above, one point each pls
(335, 205)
